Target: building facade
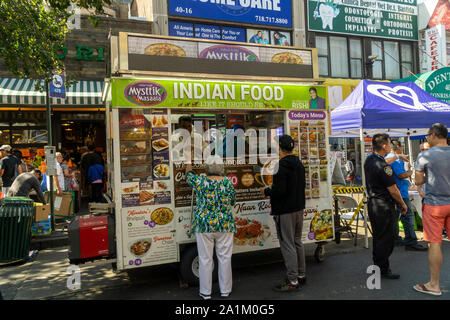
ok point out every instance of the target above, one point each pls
(79, 119)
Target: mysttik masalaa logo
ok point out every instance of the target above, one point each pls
(145, 93)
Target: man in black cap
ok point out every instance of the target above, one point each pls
(8, 168)
(287, 198)
(382, 193)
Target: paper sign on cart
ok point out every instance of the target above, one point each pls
(58, 201)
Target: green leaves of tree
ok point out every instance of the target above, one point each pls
(33, 31)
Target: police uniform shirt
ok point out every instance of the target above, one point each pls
(379, 176)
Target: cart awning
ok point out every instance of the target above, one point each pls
(15, 91)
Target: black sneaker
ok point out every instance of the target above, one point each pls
(390, 275)
(287, 287)
(416, 247)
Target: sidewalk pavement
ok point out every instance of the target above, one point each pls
(46, 276)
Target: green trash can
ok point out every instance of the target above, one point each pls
(16, 220)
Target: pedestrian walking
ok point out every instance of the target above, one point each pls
(421, 189)
(382, 194)
(213, 224)
(401, 178)
(87, 160)
(95, 174)
(58, 178)
(287, 198)
(8, 168)
(25, 183)
(433, 170)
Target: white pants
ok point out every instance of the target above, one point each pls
(5, 191)
(224, 249)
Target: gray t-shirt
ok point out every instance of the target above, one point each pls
(435, 163)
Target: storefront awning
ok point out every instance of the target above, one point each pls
(15, 91)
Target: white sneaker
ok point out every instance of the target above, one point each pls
(205, 297)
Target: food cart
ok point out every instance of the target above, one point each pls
(153, 203)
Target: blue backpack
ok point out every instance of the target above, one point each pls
(44, 183)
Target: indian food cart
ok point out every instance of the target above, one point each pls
(153, 203)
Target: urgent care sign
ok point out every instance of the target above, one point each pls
(435, 43)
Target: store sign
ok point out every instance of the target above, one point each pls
(208, 32)
(436, 47)
(438, 84)
(396, 19)
(57, 88)
(226, 52)
(186, 30)
(218, 51)
(145, 93)
(267, 12)
(211, 95)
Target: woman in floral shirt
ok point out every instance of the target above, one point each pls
(213, 224)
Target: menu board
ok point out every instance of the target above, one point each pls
(148, 217)
(308, 130)
(144, 157)
(248, 180)
(150, 236)
(311, 147)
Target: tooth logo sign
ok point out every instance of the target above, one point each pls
(408, 99)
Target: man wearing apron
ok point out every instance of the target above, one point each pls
(382, 194)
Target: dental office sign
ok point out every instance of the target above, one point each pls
(268, 12)
(162, 93)
(396, 19)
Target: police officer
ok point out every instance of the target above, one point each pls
(382, 192)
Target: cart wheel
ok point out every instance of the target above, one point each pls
(319, 254)
(189, 266)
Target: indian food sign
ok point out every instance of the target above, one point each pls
(396, 19)
(211, 95)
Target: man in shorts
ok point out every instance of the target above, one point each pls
(433, 170)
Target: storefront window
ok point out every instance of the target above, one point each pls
(407, 59)
(31, 136)
(377, 67)
(355, 58)
(392, 58)
(5, 136)
(339, 58)
(322, 49)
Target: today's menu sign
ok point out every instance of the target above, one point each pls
(396, 19)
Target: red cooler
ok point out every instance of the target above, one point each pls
(91, 237)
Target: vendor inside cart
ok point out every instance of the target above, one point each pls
(229, 133)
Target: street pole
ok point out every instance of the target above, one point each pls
(50, 143)
(363, 180)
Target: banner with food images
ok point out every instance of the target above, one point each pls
(149, 236)
(308, 130)
(148, 220)
(216, 51)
